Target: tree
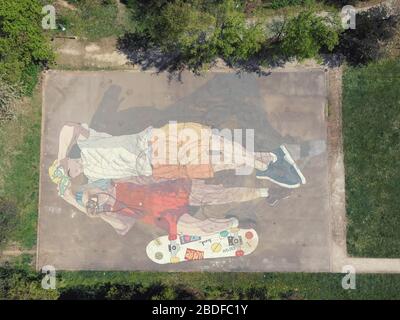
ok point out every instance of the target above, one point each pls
(197, 31)
(367, 42)
(22, 42)
(236, 40)
(184, 29)
(181, 25)
(23, 284)
(304, 35)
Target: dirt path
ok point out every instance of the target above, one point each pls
(336, 170)
(65, 4)
(14, 251)
(81, 54)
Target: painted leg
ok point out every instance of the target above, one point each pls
(233, 155)
(188, 225)
(208, 194)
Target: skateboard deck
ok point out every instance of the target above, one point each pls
(233, 242)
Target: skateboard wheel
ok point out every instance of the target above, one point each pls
(234, 230)
(249, 235)
(224, 233)
(216, 247)
(158, 255)
(239, 253)
(174, 259)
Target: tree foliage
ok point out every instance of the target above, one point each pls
(367, 42)
(304, 35)
(23, 284)
(236, 39)
(22, 42)
(182, 25)
(198, 31)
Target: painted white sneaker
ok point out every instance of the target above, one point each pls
(283, 171)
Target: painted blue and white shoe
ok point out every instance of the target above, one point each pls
(283, 171)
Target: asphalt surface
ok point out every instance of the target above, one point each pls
(285, 107)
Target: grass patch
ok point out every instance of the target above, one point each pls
(19, 171)
(276, 4)
(271, 9)
(232, 285)
(30, 78)
(95, 19)
(371, 131)
(21, 282)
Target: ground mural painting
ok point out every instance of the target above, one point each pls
(156, 175)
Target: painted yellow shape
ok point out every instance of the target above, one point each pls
(216, 247)
(174, 259)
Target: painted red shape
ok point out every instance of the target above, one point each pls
(239, 253)
(249, 235)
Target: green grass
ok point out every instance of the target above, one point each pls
(94, 20)
(269, 10)
(238, 285)
(21, 282)
(371, 130)
(19, 173)
(30, 78)
(276, 4)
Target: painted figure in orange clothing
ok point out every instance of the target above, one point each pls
(164, 204)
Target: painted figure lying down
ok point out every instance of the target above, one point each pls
(128, 181)
(177, 150)
(164, 204)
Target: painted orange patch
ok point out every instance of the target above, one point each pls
(192, 254)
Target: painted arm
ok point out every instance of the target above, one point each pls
(69, 197)
(69, 135)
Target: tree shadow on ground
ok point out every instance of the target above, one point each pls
(141, 51)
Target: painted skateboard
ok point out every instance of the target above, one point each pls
(233, 242)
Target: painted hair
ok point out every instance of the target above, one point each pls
(59, 177)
